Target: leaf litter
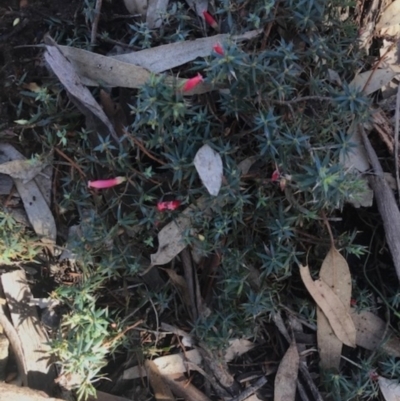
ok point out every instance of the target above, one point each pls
(332, 306)
(336, 274)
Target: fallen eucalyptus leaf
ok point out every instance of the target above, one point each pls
(208, 164)
(373, 80)
(70, 79)
(373, 333)
(37, 210)
(333, 308)
(334, 272)
(286, 377)
(389, 22)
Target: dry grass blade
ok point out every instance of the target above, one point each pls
(334, 272)
(333, 308)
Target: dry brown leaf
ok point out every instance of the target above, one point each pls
(182, 388)
(333, 308)
(167, 365)
(371, 330)
(136, 7)
(37, 210)
(161, 390)
(24, 170)
(155, 11)
(208, 164)
(371, 81)
(170, 238)
(390, 389)
(237, 347)
(334, 272)
(286, 377)
(79, 94)
(96, 70)
(389, 23)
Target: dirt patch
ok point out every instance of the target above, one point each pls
(21, 33)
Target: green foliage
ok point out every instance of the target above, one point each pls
(84, 340)
(16, 242)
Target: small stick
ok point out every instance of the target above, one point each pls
(302, 99)
(95, 24)
(251, 390)
(73, 164)
(396, 139)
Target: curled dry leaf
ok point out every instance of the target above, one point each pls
(286, 377)
(208, 164)
(333, 308)
(334, 272)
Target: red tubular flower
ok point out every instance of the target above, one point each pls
(210, 20)
(218, 49)
(192, 83)
(102, 184)
(171, 205)
(275, 175)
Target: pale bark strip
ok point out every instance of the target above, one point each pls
(33, 339)
(386, 202)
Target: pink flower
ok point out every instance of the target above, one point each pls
(275, 175)
(210, 20)
(192, 83)
(171, 205)
(218, 49)
(101, 184)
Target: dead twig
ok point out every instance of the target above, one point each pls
(251, 390)
(396, 139)
(96, 20)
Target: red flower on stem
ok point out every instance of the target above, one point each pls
(210, 20)
(275, 176)
(192, 83)
(218, 49)
(102, 184)
(168, 205)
